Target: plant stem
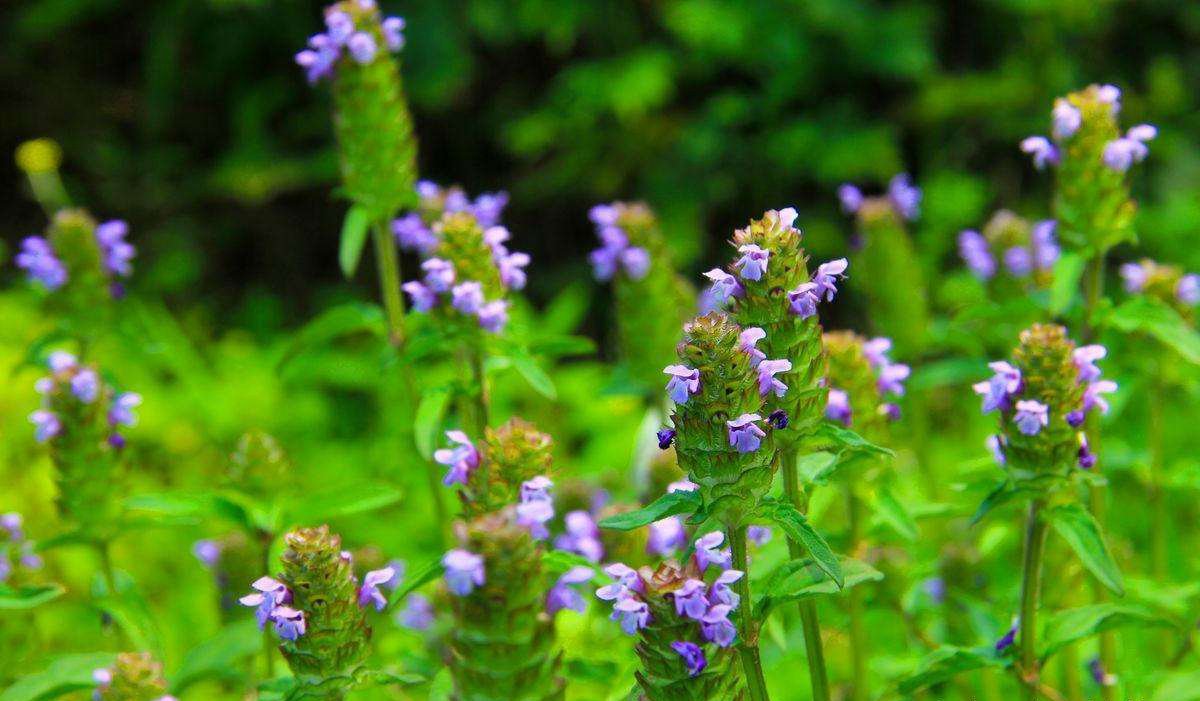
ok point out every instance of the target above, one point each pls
(1154, 441)
(813, 647)
(858, 637)
(1068, 660)
(388, 262)
(104, 548)
(748, 648)
(1031, 585)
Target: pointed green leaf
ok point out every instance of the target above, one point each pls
(355, 228)
(535, 375)
(1067, 272)
(414, 581)
(1179, 686)
(1150, 316)
(427, 426)
(893, 513)
(799, 530)
(670, 504)
(342, 501)
(334, 323)
(218, 656)
(65, 674)
(802, 579)
(1076, 525)
(27, 597)
(829, 435)
(816, 468)
(1066, 627)
(947, 662)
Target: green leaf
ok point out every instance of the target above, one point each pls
(1178, 686)
(670, 504)
(816, 468)
(355, 228)
(562, 346)
(343, 501)
(798, 529)
(534, 375)
(332, 324)
(1150, 316)
(28, 597)
(1076, 525)
(415, 580)
(947, 662)
(830, 435)
(132, 614)
(383, 677)
(893, 513)
(218, 656)
(1067, 272)
(65, 674)
(1066, 627)
(556, 562)
(427, 426)
(801, 579)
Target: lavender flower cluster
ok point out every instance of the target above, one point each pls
(43, 265)
(903, 197)
(1066, 119)
(344, 37)
(271, 598)
(78, 384)
(12, 531)
(102, 677)
(413, 231)
(1146, 274)
(889, 380)
(1020, 261)
(615, 252)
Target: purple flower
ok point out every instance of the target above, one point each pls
(467, 297)
(1067, 119)
(850, 197)
(803, 300)
(753, 262)
(536, 489)
(1041, 149)
(269, 593)
(1135, 277)
(683, 485)
(439, 274)
(748, 339)
(208, 552)
(512, 270)
(837, 407)
(1085, 358)
(493, 316)
(1000, 387)
(488, 207)
(905, 196)
(632, 613)
(289, 623)
(767, 383)
(716, 627)
(461, 460)
(636, 262)
(495, 237)
(412, 234)
(29, 557)
(38, 260)
(876, 351)
(604, 262)
(340, 26)
(1031, 416)
(11, 522)
(464, 571)
(102, 677)
(744, 433)
(690, 601)
(1045, 245)
(1006, 642)
(665, 437)
(582, 536)
(120, 413)
(778, 419)
(693, 656)
(1087, 459)
(935, 587)
(369, 592)
(1110, 94)
(724, 285)
(892, 377)
(666, 537)
(708, 551)
(890, 410)
(534, 515)
(116, 251)
(1099, 675)
(318, 59)
(721, 593)
(759, 535)
(393, 33)
(362, 47)
(626, 582)
(995, 446)
(1019, 261)
(85, 385)
(1120, 154)
(973, 249)
(417, 613)
(684, 382)
(60, 361)
(563, 596)
(423, 298)
(604, 215)
(1187, 290)
(1093, 395)
(46, 425)
(1142, 132)
(827, 276)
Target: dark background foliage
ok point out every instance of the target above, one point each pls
(189, 119)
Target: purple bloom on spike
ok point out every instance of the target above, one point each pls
(890, 410)
(684, 382)
(666, 537)
(1121, 153)
(1031, 416)
(665, 437)
(512, 270)
(636, 262)
(716, 626)
(721, 593)
(493, 316)
(1019, 261)
(1110, 94)
(1135, 277)
(1045, 244)
(29, 557)
(120, 413)
(803, 300)
(973, 249)
(837, 407)
(724, 285)
(461, 460)
(1000, 387)
(632, 614)
(748, 339)
(11, 522)
(778, 419)
(708, 551)
(207, 552)
(604, 262)
(439, 274)
(892, 377)
(38, 260)
(369, 592)
(827, 276)
(85, 385)
(753, 262)
(626, 582)
(850, 197)
(417, 613)
(1087, 459)
(412, 234)
(488, 208)
(1007, 641)
(1041, 149)
(340, 26)
(1067, 119)
(267, 595)
(905, 196)
(117, 253)
(744, 433)
(693, 656)
(603, 215)
(690, 600)
(876, 351)
(362, 47)
(935, 587)
(464, 571)
(289, 623)
(534, 515)
(318, 59)
(1085, 358)
(787, 216)
(537, 488)
(423, 298)
(1075, 418)
(767, 383)
(683, 485)
(563, 595)
(1099, 675)
(759, 535)
(995, 446)
(60, 361)
(1187, 290)
(117, 441)
(467, 297)
(393, 33)
(582, 536)
(1093, 395)
(46, 425)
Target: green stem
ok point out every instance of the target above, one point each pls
(756, 682)
(858, 636)
(1031, 585)
(818, 677)
(1068, 662)
(104, 549)
(1154, 441)
(388, 262)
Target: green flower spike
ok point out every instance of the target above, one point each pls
(1005, 231)
(851, 372)
(511, 455)
(502, 646)
(1048, 376)
(135, 677)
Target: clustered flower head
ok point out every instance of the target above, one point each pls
(414, 231)
(353, 29)
(1025, 250)
(14, 544)
(45, 265)
(74, 396)
(863, 381)
(902, 197)
(133, 676)
(1167, 283)
(617, 252)
(1071, 119)
(1043, 397)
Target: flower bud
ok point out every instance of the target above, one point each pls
(81, 260)
(136, 676)
(512, 455)
(1166, 283)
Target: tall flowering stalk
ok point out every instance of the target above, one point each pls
(887, 264)
(652, 299)
(374, 131)
(1043, 398)
(136, 676)
(1012, 247)
(776, 305)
